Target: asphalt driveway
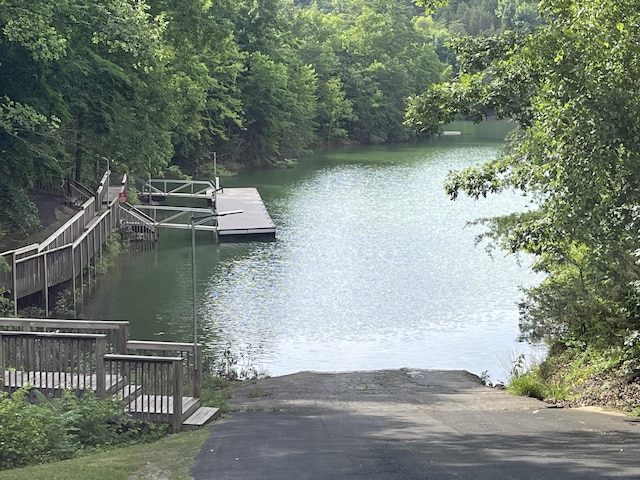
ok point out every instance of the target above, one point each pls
(410, 424)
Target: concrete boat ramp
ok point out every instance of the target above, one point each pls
(409, 424)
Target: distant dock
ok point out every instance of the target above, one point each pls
(236, 214)
(253, 223)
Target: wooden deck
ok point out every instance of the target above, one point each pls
(164, 385)
(56, 382)
(156, 407)
(253, 223)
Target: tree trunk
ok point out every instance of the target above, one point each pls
(79, 149)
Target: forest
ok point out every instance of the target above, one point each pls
(159, 86)
(571, 84)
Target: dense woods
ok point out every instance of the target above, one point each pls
(153, 84)
(150, 84)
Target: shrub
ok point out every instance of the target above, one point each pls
(34, 429)
(29, 433)
(528, 385)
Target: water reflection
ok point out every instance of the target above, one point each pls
(373, 267)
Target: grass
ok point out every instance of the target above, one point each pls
(169, 458)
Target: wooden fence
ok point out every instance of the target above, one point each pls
(118, 342)
(191, 361)
(71, 253)
(53, 362)
(117, 333)
(150, 386)
(153, 388)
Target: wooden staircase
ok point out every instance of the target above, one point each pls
(161, 385)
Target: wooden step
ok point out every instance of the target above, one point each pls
(128, 393)
(201, 417)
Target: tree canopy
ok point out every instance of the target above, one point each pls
(154, 83)
(571, 84)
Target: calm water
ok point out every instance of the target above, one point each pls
(374, 267)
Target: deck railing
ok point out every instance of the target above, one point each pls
(53, 362)
(117, 333)
(152, 387)
(192, 381)
(149, 380)
(68, 254)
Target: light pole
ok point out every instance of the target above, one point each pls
(197, 220)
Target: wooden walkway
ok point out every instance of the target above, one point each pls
(56, 382)
(253, 223)
(163, 385)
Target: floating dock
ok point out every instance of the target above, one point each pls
(236, 214)
(253, 223)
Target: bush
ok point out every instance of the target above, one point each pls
(527, 385)
(29, 433)
(34, 429)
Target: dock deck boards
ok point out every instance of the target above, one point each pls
(157, 407)
(57, 381)
(254, 219)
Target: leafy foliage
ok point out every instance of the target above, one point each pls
(154, 84)
(29, 433)
(570, 83)
(34, 429)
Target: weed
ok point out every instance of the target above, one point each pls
(257, 393)
(527, 385)
(485, 378)
(112, 251)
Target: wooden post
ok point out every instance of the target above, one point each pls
(81, 272)
(45, 284)
(30, 353)
(176, 420)
(101, 375)
(197, 374)
(3, 368)
(88, 262)
(122, 339)
(73, 276)
(14, 289)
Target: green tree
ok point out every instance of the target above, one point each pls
(320, 46)
(77, 83)
(276, 87)
(201, 71)
(27, 128)
(385, 59)
(572, 84)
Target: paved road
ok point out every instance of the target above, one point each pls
(410, 424)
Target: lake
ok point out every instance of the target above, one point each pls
(373, 267)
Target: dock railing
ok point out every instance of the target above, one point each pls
(153, 387)
(192, 381)
(53, 362)
(67, 254)
(117, 333)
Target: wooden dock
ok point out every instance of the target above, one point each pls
(163, 386)
(253, 223)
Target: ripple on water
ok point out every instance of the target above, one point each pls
(374, 267)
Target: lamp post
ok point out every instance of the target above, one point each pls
(197, 220)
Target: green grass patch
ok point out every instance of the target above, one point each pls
(171, 457)
(528, 384)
